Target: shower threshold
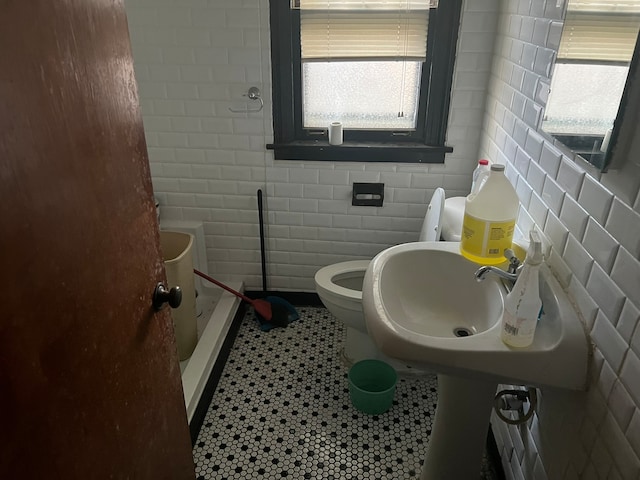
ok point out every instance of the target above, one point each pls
(218, 310)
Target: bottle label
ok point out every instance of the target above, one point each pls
(511, 329)
(486, 239)
(516, 328)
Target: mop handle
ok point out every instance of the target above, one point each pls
(222, 285)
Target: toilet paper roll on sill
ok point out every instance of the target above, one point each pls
(335, 133)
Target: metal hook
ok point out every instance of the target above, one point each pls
(253, 94)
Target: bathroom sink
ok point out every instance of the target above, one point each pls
(423, 305)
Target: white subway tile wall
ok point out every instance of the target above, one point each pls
(195, 60)
(592, 221)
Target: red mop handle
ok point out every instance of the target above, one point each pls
(222, 285)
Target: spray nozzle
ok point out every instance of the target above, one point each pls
(534, 255)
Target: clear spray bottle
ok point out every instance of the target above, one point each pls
(522, 305)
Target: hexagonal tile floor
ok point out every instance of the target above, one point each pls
(282, 410)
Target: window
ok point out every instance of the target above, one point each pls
(381, 67)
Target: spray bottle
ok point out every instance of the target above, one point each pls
(522, 305)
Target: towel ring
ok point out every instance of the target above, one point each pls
(253, 94)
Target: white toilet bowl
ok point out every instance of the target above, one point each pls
(339, 286)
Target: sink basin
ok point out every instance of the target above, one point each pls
(418, 298)
(433, 293)
(423, 305)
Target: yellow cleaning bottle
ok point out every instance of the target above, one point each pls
(489, 219)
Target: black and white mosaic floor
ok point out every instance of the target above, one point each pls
(282, 410)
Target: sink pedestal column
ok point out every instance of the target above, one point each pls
(459, 434)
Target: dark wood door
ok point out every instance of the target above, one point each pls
(89, 374)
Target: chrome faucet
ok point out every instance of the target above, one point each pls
(512, 271)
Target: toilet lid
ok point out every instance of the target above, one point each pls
(432, 220)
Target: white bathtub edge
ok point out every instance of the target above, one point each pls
(204, 356)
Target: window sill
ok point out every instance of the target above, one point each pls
(359, 152)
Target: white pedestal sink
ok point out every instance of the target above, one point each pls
(417, 297)
(459, 432)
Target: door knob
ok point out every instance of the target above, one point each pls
(162, 295)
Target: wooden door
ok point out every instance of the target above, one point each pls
(89, 375)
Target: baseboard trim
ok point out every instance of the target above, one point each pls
(301, 299)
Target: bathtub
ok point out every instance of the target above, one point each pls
(215, 310)
(216, 313)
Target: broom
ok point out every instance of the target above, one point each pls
(272, 312)
(276, 302)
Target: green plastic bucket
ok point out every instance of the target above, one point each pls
(372, 384)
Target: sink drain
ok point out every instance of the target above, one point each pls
(462, 332)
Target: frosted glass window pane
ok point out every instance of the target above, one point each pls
(361, 95)
(584, 99)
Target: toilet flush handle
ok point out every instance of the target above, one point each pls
(162, 295)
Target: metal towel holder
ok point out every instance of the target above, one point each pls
(253, 94)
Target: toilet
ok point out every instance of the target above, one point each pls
(339, 287)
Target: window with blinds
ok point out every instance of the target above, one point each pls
(600, 31)
(362, 61)
(364, 30)
(383, 68)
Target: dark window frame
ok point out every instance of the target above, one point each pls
(424, 145)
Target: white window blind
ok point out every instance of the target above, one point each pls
(363, 29)
(600, 30)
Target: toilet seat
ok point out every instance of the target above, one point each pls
(325, 278)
